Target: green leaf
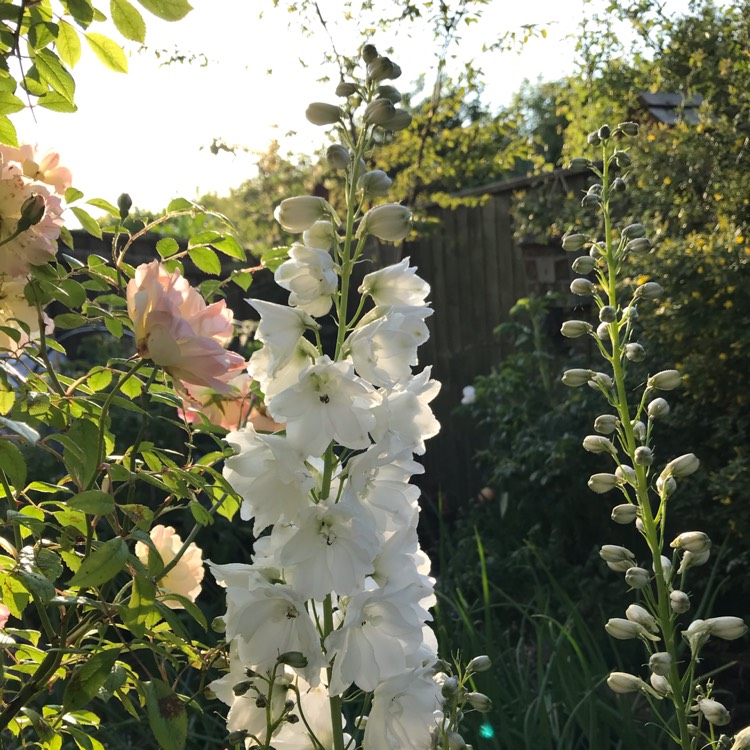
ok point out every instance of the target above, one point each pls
(72, 194)
(193, 610)
(274, 257)
(140, 607)
(114, 326)
(180, 204)
(169, 10)
(140, 515)
(29, 433)
(70, 292)
(10, 103)
(128, 20)
(99, 380)
(103, 564)
(206, 260)
(167, 716)
(104, 205)
(13, 594)
(8, 132)
(13, 464)
(87, 222)
(93, 502)
(81, 10)
(36, 584)
(68, 44)
(56, 103)
(70, 320)
(167, 246)
(200, 514)
(243, 279)
(49, 564)
(229, 246)
(54, 74)
(108, 51)
(42, 34)
(86, 680)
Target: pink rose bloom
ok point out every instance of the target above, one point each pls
(185, 578)
(176, 329)
(45, 168)
(15, 308)
(4, 615)
(36, 245)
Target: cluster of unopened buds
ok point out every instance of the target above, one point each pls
(626, 437)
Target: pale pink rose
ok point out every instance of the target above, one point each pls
(176, 329)
(37, 244)
(185, 578)
(39, 168)
(4, 615)
(15, 308)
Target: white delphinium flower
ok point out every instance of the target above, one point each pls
(321, 235)
(280, 329)
(379, 631)
(311, 278)
(396, 285)
(384, 344)
(405, 710)
(275, 378)
(328, 403)
(405, 415)
(331, 548)
(268, 620)
(269, 474)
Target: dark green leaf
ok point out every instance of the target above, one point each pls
(52, 72)
(81, 10)
(87, 679)
(141, 606)
(87, 222)
(103, 564)
(200, 514)
(13, 464)
(70, 320)
(36, 584)
(93, 502)
(167, 716)
(229, 246)
(49, 564)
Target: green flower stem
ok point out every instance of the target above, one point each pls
(651, 530)
(334, 700)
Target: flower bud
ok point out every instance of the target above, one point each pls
(582, 287)
(622, 629)
(449, 687)
(261, 701)
(32, 212)
(693, 560)
(593, 139)
(649, 290)
(639, 431)
(619, 185)
(660, 663)
(338, 156)
(627, 473)
(237, 737)
(696, 635)
(375, 182)
(574, 242)
(346, 89)
(624, 514)
(389, 92)
(218, 625)
(379, 112)
(634, 231)
(728, 628)
(660, 684)
(635, 352)
(601, 380)
(400, 121)
(637, 578)
(369, 53)
(666, 380)
(124, 204)
(591, 200)
(572, 329)
(607, 314)
(658, 408)
(622, 682)
(579, 164)
(621, 159)
(692, 541)
(630, 313)
(714, 711)
(381, 68)
(456, 741)
(638, 245)
(636, 613)
(628, 128)
(585, 264)
(301, 212)
(614, 554)
(294, 659)
(604, 132)
(605, 424)
(742, 740)
(480, 702)
(666, 567)
(320, 235)
(242, 687)
(682, 466)
(389, 222)
(601, 483)
(602, 332)
(576, 377)
(643, 456)
(679, 601)
(598, 444)
(666, 486)
(479, 664)
(595, 253)
(320, 113)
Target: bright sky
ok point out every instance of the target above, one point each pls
(148, 132)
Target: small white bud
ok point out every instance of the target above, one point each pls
(682, 466)
(576, 377)
(660, 663)
(320, 235)
(456, 741)
(666, 567)
(390, 222)
(637, 578)
(639, 431)
(614, 554)
(693, 541)
(338, 156)
(624, 630)
(607, 314)
(602, 332)
(728, 628)
(301, 212)
(714, 711)
(601, 380)
(693, 560)
(598, 444)
(320, 113)
(627, 473)
(601, 483)
(666, 380)
(479, 701)
(572, 329)
(584, 264)
(679, 601)
(582, 287)
(479, 664)
(630, 313)
(660, 684)
(636, 613)
(665, 487)
(624, 514)
(622, 682)
(696, 634)
(605, 424)
(635, 352)
(649, 290)
(643, 456)
(374, 182)
(658, 408)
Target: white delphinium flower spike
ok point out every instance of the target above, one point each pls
(311, 278)
(396, 285)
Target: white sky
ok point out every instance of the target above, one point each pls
(143, 132)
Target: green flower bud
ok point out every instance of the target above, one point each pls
(635, 352)
(638, 245)
(389, 222)
(218, 625)
(582, 287)
(643, 456)
(660, 663)
(593, 139)
(602, 332)
(649, 290)
(666, 380)
(389, 92)
(619, 185)
(237, 737)
(480, 663)
(679, 601)
(665, 486)
(574, 242)
(634, 231)
(369, 53)
(585, 264)
(375, 182)
(601, 380)
(625, 514)
(660, 685)
(601, 483)
(605, 424)
(598, 444)
(294, 659)
(607, 314)
(346, 89)
(576, 377)
(639, 431)
(621, 159)
(338, 156)
(479, 702)
(628, 128)
(124, 204)
(591, 200)
(320, 113)
(693, 560)
(579, 164)
(242, 687)
(449, 687)
(379, 112)
(32, 212)
(572, 329)
(400, 121)
(381, 68)
(624, 630)
(456, 741)
(658, 408)
(604, 132)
